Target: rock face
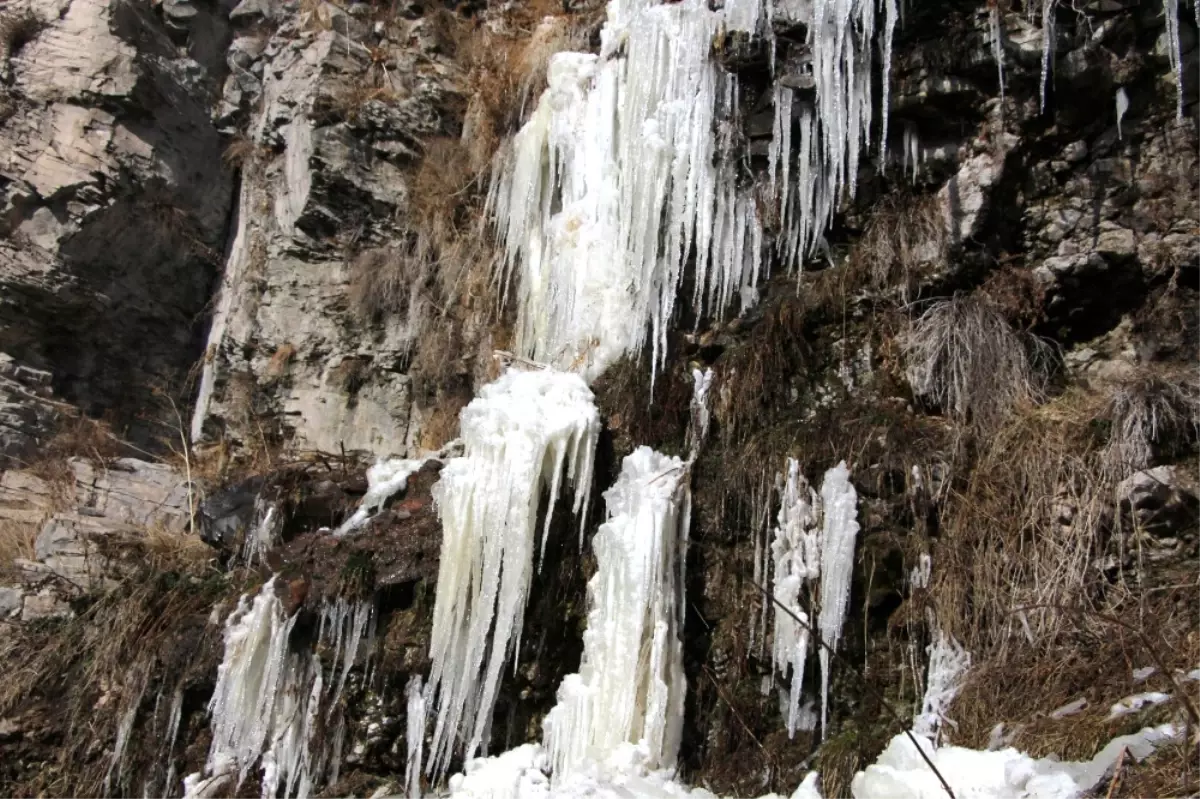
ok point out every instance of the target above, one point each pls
(115, 201)
(336, 112)
(82, 517)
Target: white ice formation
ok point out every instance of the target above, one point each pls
(948, 665)
(630, 686)
(527, 432)
(796, 559)
(813, 540)
(625, 172)
(268, 699)
(415, 735)
(384, 480)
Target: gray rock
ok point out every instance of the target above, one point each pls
(11, 601)
(114, 204)
(1161, 502)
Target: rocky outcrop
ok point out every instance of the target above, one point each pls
(335, 124)
(115, 201)
(85, 517)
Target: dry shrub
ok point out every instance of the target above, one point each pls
(965, 358)
(82, 676)
(386, 281)
(1025, 528)
(1092, 660)
(506, 68)
(1148, 413)
(18, 27)
(905, 239)
(279, 360)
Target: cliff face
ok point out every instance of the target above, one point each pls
(244, 252)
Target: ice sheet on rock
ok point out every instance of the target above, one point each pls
(630, 686)
(384, 480)
(527, 431)
(268, 523)
(1122, 107)
(839, 503)
(1171, 12)
(617, 179)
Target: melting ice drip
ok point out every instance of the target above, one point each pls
(526, 432)
(268, 701)
(815, 538)
(630, 686)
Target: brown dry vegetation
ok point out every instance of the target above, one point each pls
(76, 679)
(904, 241)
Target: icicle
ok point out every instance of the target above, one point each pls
(384, 480)
(615, 180)
(266, 703)
(840, 528)
(912, 150)
(630, 686)
(1122, 107)
(889, 27)
(519, 434)
(700, 413)
(415, 736)
(948, 664)
(996, 34)
(1047, 47)
(1171, 10)
(265, 533)
(795, 553)
(117, 762)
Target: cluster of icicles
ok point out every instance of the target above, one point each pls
(270, 701)
(627, 171)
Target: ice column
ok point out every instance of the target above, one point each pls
(630, 686)
(796, 558)
(815, 539)
(527, 432)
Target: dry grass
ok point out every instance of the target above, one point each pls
(758, 376)
(16, 541)
(1024, 528)
(905, 240)
(82, 676)
(505, 67)
(1147, 414)
(964, 358)
(277, 366)
(1092, 660)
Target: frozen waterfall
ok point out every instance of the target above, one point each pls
(527, 432)
(630, 686)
